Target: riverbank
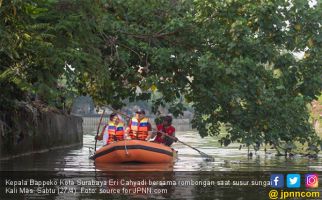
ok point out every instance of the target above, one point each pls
(29, 129)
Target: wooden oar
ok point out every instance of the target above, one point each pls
(206, 156)
(98, 128)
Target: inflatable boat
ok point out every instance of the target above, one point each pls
(134, 151)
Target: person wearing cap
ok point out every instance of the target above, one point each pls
(165, 129)
(139, 126)
(113, 131)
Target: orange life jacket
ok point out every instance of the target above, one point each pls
(115, 130)
(141, 128)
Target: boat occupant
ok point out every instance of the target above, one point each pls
(165, 129)
(140, 126)
(113, 131)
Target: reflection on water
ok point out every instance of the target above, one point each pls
(226, 159)
(73, 165)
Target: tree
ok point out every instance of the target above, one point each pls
(255, 85)
(233, 59)
(45, 43)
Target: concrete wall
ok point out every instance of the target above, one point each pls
(29, 132)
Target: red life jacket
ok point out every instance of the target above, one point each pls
(170, 130)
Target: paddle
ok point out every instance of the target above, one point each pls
(98, 128)
(206, 156)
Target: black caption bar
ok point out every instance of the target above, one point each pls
(148, 185)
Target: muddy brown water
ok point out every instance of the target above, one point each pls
(229, 162)
(226, 158)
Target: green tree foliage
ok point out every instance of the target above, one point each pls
(233, 60)
(255, 84)
(44, 43)
(148, 44)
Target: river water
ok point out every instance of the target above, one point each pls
(72, 165)
(226, 159)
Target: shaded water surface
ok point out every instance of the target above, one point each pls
(226, 159)
(73, 165)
